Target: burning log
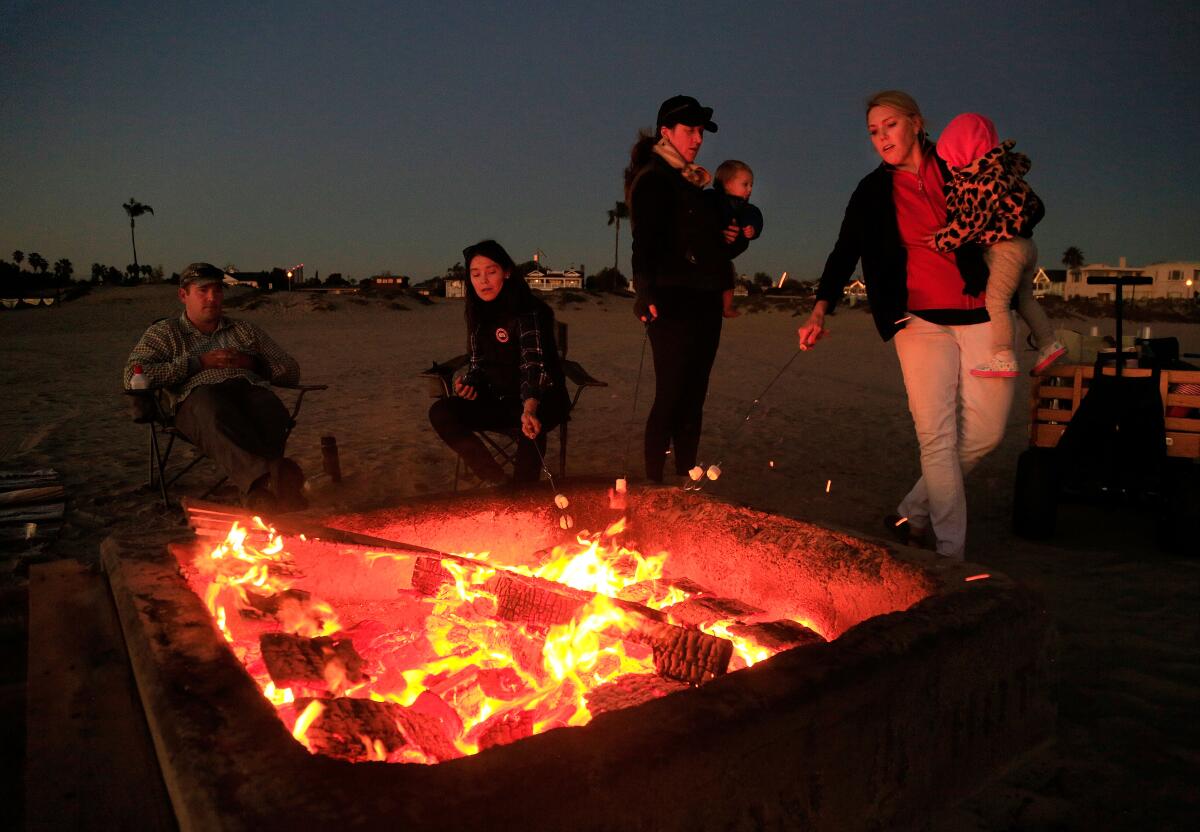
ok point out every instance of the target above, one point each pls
(629, 690)
(355, 729)
(503, 728)
(699, 611)
(534, 600)
(311, 662)
(777, 636)
(686, 655)
(645, 590)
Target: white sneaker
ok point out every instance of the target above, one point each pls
(999, 367)
(1048, 355)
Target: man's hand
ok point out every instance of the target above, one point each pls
(464, 391)
(228, 360)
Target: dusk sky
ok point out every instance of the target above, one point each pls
(361, 137)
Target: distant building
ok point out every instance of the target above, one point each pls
(548, 281)
(390, 280)
(857, 289)
(1049, 282)
(455, 287)
(1171, 279)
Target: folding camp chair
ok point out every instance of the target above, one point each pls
(503, 444)
(150, 407)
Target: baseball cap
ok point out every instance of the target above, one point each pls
(201, 273)
(683, 109)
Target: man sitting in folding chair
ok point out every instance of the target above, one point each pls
(218, 371)
(514, 382)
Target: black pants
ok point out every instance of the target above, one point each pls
(684, 339)
(456, 420)
(240, 426)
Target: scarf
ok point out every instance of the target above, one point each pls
(690, 171)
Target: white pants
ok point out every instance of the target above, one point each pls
(936, 362)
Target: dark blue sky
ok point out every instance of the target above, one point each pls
(358, 137)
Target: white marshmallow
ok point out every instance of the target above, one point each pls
(561, 500)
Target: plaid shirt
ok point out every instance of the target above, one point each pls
(169, 353)
(535, 377)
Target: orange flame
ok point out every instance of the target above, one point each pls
(491, 680)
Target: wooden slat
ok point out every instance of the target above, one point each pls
(90, 763)
(1048, 415)
(10, 480)
(1185, 445)
(32, 514)
(41, 494)
(1181, 400)
(1182, 425)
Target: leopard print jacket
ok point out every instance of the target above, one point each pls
(988, 200)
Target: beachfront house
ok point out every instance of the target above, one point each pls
(548, 281)
(1172, 279)
(1049, 282)
(856, 290)
(455, 287)
(391, 281)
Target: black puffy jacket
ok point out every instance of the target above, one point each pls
(677, 239)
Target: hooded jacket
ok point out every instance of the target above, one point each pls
(989, 201)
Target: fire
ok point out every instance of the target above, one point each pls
(466, 678)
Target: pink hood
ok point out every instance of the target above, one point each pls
(966, 138)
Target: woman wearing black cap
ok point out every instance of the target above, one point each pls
(514, 379)
(682, 261)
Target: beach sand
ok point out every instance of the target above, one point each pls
(1126, 754)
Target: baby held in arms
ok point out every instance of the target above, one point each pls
(732, 184)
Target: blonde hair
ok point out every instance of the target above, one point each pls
(730, 168)
(897, 100)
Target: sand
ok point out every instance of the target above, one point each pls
(1127, 753)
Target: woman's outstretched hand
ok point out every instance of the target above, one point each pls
(530, 426)
(464, 391)
(814, 328)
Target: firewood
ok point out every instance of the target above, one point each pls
(293, 660)
(643, 591)
(685, 655)
(427, 733)
(535, 600)
(707, 609)
(777, 636)
(629, 690)
(503, 728)
(346, 725)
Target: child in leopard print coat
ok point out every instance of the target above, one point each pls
(989, 203)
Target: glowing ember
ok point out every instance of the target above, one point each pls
(449, 669)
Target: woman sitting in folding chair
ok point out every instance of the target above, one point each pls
(514, 382)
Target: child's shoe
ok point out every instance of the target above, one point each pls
(1048, 355)
(730, 312)
(1002, 365)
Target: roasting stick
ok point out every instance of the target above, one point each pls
(565, 521)
(622, 484)
(714, 471)
(214, 519)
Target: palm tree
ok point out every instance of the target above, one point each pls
(135, 209)
(1072, 258)
(18, 257)
(37, 262)
(618, 212)
(63, 269)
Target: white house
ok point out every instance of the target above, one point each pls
(548, 281)
(1172, 279)
(1175, 278)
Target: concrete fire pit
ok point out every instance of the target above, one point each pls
(929, 683)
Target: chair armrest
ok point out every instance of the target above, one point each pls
(144, 407)
(441, 376)
(579, 376)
